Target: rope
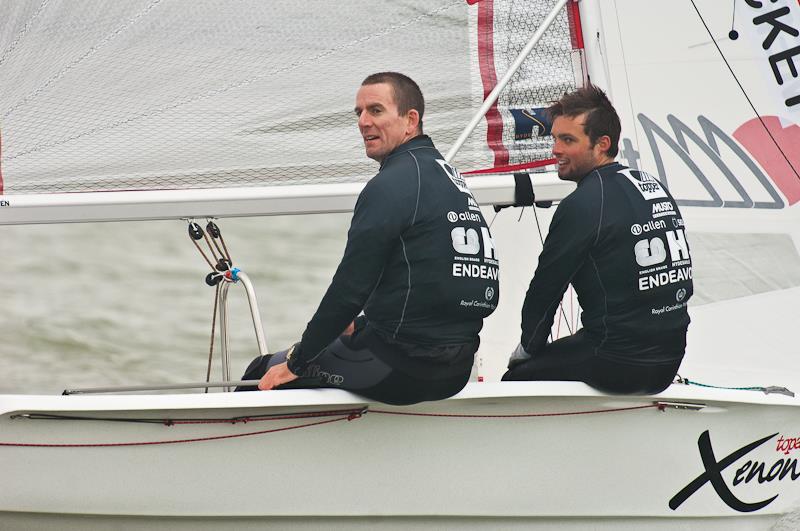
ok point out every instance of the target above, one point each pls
(514, 416)
(213, 333)
(766, 390)
(220, 260)
(560, 304)
(227, 254)
(170, 422)
(351, 414)
(219, 250)
(180, 441)
(213, 229)
(203, 254)
(214, 275)
(691, 382)
(245, 420)
(211, 248)
(214, 272)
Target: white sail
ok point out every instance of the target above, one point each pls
(156, 95)
(740, 194)
(686, 120)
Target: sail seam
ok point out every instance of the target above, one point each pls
(23, 31)
(238, 84)
(91, 51)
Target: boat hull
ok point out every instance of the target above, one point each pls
(497, 454)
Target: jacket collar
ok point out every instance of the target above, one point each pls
(616, 165)
(413, 143)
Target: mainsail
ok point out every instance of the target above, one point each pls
(160, 95)
(216, 100)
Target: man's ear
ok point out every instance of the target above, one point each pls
(604, 143)
(413, 121)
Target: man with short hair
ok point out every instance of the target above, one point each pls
(619, 239)
(419, 262)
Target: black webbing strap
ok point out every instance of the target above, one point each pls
(523, 194)
(523, 190)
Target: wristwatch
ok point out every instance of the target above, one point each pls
(290, 352)
(291, 360)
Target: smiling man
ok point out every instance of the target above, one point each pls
(419, 262)
(619, 240)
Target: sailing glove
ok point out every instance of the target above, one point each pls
(518, 356)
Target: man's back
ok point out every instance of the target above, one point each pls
(618, 239)
(636, 278)
(440, 277)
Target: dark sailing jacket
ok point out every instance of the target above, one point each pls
(619, 239)
(419, 260)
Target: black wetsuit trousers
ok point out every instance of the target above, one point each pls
(350, 363)
(573, 358)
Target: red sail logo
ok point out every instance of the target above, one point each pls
(756, 139)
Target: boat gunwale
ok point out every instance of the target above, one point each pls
(305, 398)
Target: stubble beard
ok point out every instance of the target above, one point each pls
(577, 171)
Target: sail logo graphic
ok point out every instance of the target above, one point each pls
(739, 160)
(766, 145)
(774, 32)
(752, 136)
(751, 471)
(531, 123)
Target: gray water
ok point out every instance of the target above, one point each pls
(126, 303)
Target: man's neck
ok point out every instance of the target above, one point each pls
(403, 143)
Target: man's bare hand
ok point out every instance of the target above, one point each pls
(350, 329)
(277, 375)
